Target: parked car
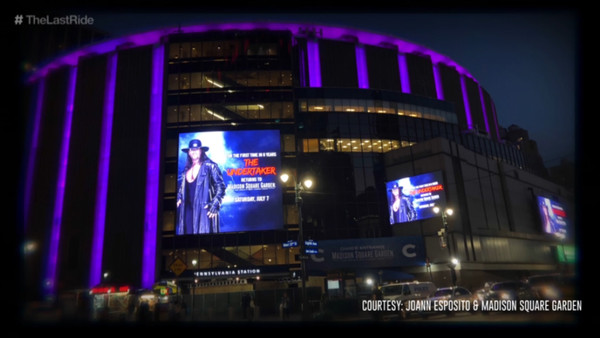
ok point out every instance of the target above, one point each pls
(513, 290)
(408, 291)
(552, 286)
(453, 293)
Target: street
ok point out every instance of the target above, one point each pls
(500, 317)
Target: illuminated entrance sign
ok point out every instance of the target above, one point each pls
(228, 273)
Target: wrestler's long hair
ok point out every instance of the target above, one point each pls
(189, 163)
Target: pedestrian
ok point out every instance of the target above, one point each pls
(251, 309)
(377, 295)
(245, 305)
(144, 311)
(284, 307)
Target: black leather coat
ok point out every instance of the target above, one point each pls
(210, 190)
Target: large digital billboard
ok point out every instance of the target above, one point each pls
(413, 198)
(227, 182)
(553, 216)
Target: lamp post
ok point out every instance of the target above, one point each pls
(298, 189)
(444, 242)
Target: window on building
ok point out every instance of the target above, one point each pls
(375, 107)
(310, 145)
(169, 220)
(289, 143)
(351, 145)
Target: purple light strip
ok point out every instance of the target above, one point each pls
(314, 63)
(152, 176)
(485, 119)
(437, 77)
(51, 266)
(33, 149)
(404, 77)
(463, 86)
(361, 67)
(326, 32)
(103, 171)
(302, 69)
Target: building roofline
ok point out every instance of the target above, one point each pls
(297, 29)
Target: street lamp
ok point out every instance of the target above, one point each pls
(443, 234)
(453, 264)
(299, 187)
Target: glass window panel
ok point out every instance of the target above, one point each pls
(184, 114)
(196, 112)
(302, 105)
(173, 81)
(262, 49)
(170, 183)
(318, 105)
(211, 114)
(174, 51)
(169, 220)
(195, 49)
(370, 106)
(270, 254)
(186, 50)
(252, 111)
(401, 108)
(184, 81)
(377, 146)
(172, 114)
(197, 80)
(337, 105)
(367, 145)
(391, 108)
(287, 110)
(285, 79)
(171, 147)
(289, 143)
(311, 145)
(275, 109)
(264, 111)
(362, 105)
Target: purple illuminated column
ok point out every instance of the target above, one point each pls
(103, 169)
(404, 77)
(463, 86)
(485, 119)
(153, 170)
(361, 67)
(302, 69)
(437, 77)
(33, 149)
(52, 263)
(314, 63)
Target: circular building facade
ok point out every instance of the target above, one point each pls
(113, 126)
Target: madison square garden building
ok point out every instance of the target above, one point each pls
(386, 129)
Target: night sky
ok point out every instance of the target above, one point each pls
(526, 60)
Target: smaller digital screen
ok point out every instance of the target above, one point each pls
(553, 216)
(413, 198)
(333, 284)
